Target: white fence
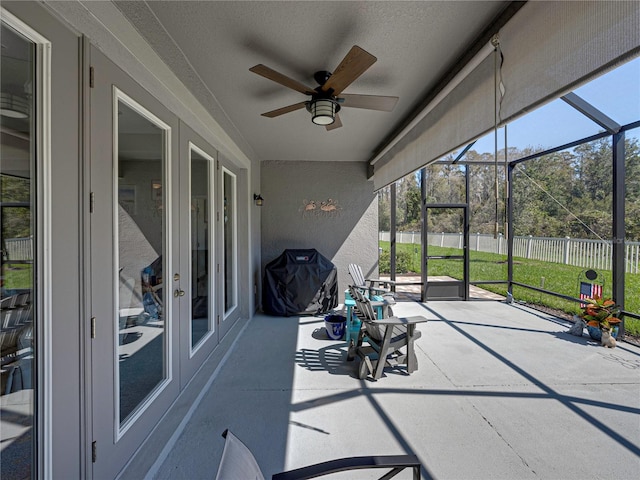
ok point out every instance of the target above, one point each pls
(19, 248)
(569, 251)
(579, 252)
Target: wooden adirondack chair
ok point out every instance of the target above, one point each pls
(373, 286)
(238, 463)
(390, 339)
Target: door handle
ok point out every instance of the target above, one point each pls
(178, 293)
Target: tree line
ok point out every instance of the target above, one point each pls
(563, 194)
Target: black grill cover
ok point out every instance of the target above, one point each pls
(299, 282)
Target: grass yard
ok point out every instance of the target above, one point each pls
(485, 266)
(17, 277)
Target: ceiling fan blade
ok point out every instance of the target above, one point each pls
(352, 66)
(282, 79)
(283, 110)
(337, 123)
(371, 102)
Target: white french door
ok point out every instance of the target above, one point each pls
(155, 274)
(198, 299)
(227, 263)
(135, 267)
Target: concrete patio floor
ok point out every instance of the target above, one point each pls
(501, 392)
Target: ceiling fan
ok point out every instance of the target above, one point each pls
(327, 99)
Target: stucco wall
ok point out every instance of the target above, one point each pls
(348, 234)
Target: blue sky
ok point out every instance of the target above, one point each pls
(616, 93)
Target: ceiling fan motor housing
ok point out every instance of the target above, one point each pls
(321, 77)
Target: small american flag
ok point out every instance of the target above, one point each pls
(589, 290)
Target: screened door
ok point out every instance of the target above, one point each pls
(447, 254)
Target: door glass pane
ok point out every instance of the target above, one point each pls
(445, 252)
(200, 278)
(445, 243)
(141, 230)
(229, 241)
(17, 217)
(445, 269)
(449, 221)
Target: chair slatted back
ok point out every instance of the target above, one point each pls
(364, 305)
(356, 292)
(237, 461)
(356, 275)
(366, 313)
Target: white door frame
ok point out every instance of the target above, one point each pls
(43, 246)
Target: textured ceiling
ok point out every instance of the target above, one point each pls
(211, 45)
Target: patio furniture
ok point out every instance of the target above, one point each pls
(390, 339)
(239, 463)
(16, 324)
(373, 286)
(353, 323)
(127, 310)
(299, 282)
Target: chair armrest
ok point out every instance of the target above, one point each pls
(400, 320)
(368, 290)
(377, 290)
(396, 462)
(380, 303)
(380, 281)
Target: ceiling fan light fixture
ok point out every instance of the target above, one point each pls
(13, 106)
(323, 111)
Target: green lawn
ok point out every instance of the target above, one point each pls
(17, 277)
(484, 266)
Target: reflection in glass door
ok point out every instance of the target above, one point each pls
(229, 236)
(18, 240)
(141, 231)
(202, 299)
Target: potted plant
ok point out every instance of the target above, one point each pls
(599, 313)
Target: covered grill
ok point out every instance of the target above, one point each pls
(299, 282)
